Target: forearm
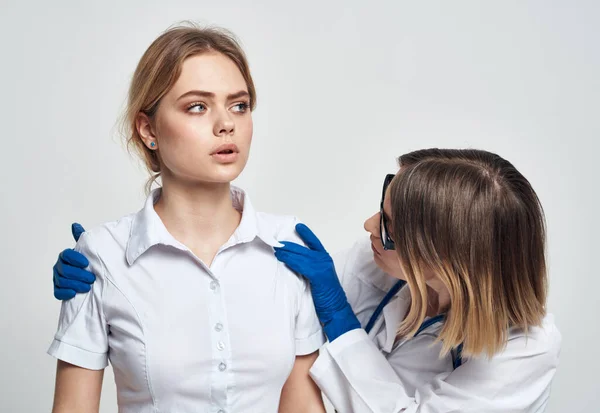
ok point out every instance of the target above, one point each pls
(77, 389)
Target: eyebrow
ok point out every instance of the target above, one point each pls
(203, 93)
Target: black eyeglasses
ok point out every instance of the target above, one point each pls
(388, 243)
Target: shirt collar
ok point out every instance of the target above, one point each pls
(147, 229)
(253, 224)
(393, 314)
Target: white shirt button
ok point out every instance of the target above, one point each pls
(222, 366)
(221, 345)
(213, 285)
(218, 327)
(221, 411)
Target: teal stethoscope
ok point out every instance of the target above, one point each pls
(456, 353)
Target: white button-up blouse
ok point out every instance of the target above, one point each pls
(184, 337)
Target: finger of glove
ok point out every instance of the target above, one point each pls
(74, 273)
(295, 270)
(292, 247)
(309, 238)
(292, 261)
(299, 266)
(309, 258)
(77, 230)
(63, 294)
(285, 256)
(74, 258)
(69, 284)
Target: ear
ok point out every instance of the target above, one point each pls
(143, 124)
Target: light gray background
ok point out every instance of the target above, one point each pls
(343, 88)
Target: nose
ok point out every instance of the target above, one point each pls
(372, 225)
(224, 125)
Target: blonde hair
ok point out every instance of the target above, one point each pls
(473, 219)
(160, 67)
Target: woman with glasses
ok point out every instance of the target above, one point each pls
(443, 309)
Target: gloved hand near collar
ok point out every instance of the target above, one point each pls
(69, 274)
(316, 265)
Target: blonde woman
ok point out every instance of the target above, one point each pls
(242, 333)
(450, 292)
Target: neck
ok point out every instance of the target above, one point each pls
(200, 215)
(438, 297)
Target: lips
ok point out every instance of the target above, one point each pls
(226, 154)
(375, 250)
(226, 149)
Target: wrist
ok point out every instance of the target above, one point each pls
(341, 322)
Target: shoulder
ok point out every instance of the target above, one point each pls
(275, 229)
(280, 227)
(111, 231)
(520, 374)
(543, 340)
(526, 354)
(103, 239)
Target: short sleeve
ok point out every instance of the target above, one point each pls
(309, 334)
(82, 336)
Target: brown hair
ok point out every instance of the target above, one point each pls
(160, 67)
(476, 222)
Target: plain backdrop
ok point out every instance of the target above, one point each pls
(343, 89)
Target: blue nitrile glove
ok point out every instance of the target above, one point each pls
(70, 276)
(316, 265)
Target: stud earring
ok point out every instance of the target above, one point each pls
(152, 144)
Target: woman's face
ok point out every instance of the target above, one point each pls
(203, 126)
(386, 260)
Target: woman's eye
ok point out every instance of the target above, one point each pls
(196, 108)
(241, 107)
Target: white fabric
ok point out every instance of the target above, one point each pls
(182, 337)
(369, 373)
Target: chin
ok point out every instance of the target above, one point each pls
(379, 262)
(214, 176)
(383, 267)
(218, 178)
(229, 172)
(221, 173)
